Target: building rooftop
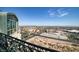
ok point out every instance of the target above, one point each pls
(76, 31)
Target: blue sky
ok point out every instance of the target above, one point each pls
(51, 16)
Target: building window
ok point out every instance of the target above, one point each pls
(11, 24)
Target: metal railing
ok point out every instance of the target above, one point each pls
(11, 44)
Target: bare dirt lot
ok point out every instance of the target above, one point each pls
(54, 44)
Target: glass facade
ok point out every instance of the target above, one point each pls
(11, 23)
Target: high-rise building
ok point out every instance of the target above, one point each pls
(9, 24)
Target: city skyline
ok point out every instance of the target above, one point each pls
(49, 16)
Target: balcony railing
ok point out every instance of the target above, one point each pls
(11, 44)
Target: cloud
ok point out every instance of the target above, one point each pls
(51, 13)
(60, 12)
(63, 14)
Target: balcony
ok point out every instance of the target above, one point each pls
(11, 44)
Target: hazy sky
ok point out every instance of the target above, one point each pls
(45, 15)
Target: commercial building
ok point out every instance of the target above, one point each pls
(8, 24)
